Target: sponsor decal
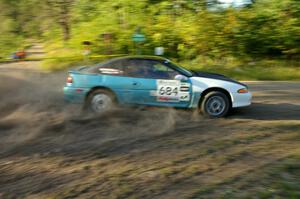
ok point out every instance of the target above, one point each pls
(171, 91)
(184, 89)
(167, 99)
(183, 84)
(184, 96)
(110, 71)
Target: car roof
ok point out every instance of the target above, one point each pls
(145, 57)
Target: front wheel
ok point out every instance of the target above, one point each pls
(215, 104)
(100, 101)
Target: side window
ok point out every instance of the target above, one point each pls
(136, 67)
(148, 69)
(162, 71)
(115, 67)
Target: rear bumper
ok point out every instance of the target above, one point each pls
(75, 95)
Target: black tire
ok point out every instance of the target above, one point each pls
(215, 105)
(108, 101)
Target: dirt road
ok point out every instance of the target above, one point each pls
(49, 150)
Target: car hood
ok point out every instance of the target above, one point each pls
(216, 76)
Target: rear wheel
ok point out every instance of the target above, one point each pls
(100, 101)
(215, 104)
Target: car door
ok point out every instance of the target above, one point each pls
(153, 83)
(112, 75)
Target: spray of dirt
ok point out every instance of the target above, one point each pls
(32, 111)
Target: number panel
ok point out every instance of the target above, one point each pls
(170, 91)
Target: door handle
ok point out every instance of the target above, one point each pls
(136, 83)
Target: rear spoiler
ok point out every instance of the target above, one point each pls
(78, 69)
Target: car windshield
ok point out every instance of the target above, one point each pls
(179, 68)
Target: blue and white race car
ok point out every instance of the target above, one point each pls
(153, 81)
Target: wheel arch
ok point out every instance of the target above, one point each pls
(208, 90)
(101, 88)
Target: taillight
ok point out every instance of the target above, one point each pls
(69, 79)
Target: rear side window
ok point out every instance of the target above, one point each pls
(115, 67)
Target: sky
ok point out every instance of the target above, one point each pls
(234, 2)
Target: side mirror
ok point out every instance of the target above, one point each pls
(181, 78)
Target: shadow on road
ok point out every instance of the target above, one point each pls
(263, 111)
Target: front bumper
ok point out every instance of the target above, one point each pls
(241, 99)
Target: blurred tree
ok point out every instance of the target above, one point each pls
(60, 11)
(186, 28)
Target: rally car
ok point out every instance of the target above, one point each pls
(153, 81)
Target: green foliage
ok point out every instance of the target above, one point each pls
(186, 29)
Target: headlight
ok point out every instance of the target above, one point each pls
(243, 90)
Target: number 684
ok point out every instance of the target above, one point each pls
(166, 90)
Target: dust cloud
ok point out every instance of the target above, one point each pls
(49, 149)
(32, 111)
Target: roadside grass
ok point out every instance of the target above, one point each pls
(259, 71)
(62, 63)
(60, 57)
(263, 69)
(65, 58)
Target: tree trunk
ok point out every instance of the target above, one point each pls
(64, 19)
(60, 11)
(66, 31)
